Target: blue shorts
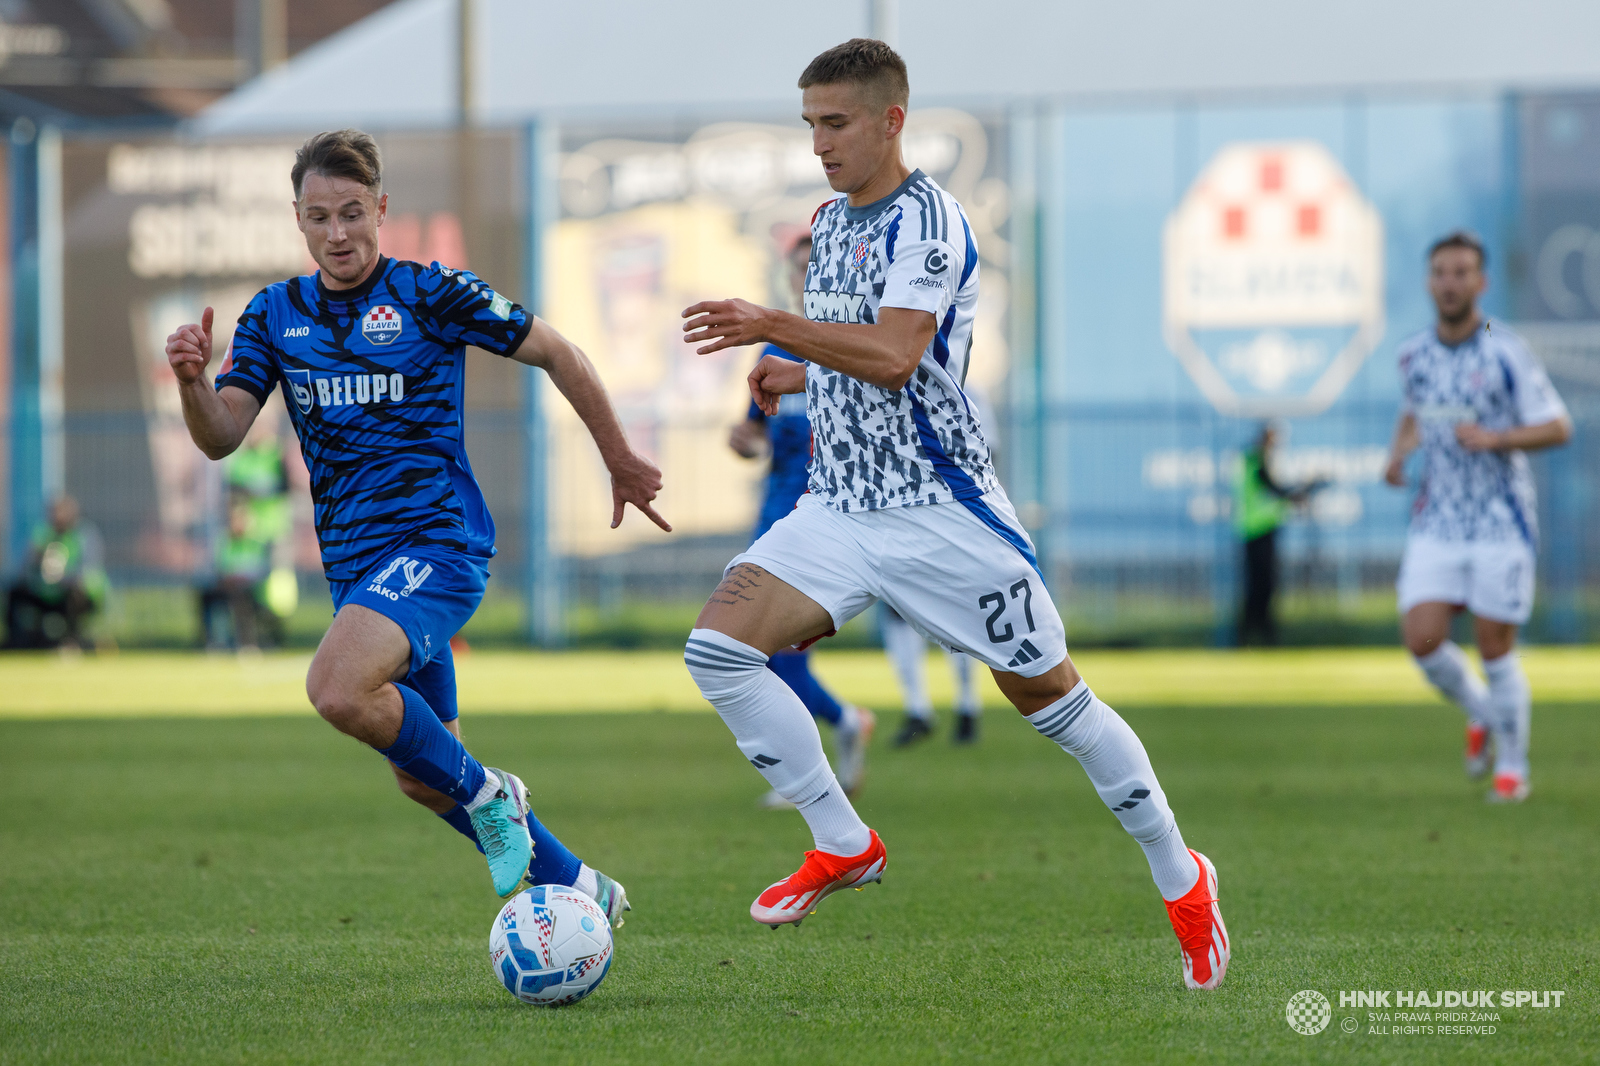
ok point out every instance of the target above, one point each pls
(428, 592)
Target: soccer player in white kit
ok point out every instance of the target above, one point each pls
(903, 506)
(1476, 401)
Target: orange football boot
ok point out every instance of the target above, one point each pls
(796, 897)
(1477, 758)
(1198, 922)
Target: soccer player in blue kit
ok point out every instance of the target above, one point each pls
(788, 433)
(370, 354)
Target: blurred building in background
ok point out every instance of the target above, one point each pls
(1185, 228)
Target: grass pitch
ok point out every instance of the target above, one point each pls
(253, 889)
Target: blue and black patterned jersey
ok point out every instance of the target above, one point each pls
(373, 379)
(789, 433)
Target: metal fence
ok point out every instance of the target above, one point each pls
(1162, 569)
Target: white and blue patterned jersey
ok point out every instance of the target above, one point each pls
(1492, 379)
(921, 444)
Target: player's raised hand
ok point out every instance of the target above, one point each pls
(772, 378)
(719, 324)
(189, 349)
(635, 480)
(1395, 472)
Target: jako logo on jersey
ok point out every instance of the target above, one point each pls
(859, 256)
(937, 262)
(297, 331)
(342, 390)
(381, 325)
(415, 572)
(834, 306)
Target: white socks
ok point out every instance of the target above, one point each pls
(1120, 770)
(966, 692)
(491, 785)
(1451, 673)
(849, 723)
(1510, 713)
(777, 734)
(909, 654)
(586, 882)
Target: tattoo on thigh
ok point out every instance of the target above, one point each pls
(738, 583)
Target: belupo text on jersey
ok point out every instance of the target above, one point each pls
(342, 390)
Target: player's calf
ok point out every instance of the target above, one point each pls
(1119, 768)
(417, 792)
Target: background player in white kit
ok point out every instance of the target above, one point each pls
(1476, 401)
(903, 506)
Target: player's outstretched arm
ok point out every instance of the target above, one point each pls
(634, 479)
(885, 353)
(1475, 438)
(217, 421)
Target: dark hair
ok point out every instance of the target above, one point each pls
(1460, 239)
(339, 154)
(870, 64)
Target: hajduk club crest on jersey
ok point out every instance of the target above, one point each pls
(858, 257)
(381, 325)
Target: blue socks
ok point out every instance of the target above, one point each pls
(429, 752)
(552, 863)
(436, 683)
(794, 667)
(459, 820)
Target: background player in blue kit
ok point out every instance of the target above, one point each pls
(788, 436)
(370, 352)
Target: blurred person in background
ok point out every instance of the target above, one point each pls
(908, 652)
(243, 560)
(1475, 402)
(63, 583)
(1261, 506)
(787, 437)
(257, 477)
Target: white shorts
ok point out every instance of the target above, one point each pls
(961, 573)
(1492, 579)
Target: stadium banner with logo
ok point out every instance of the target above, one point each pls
(1222, 265)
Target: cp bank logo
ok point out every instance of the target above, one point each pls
(1272, 294)
(1308, 1012)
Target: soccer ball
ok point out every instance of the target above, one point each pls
(550, 945)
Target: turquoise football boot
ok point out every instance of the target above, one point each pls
(612, 897)
(502, 829)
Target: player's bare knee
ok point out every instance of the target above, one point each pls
(1032, 694)
(1422, 643)
(339, 703)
